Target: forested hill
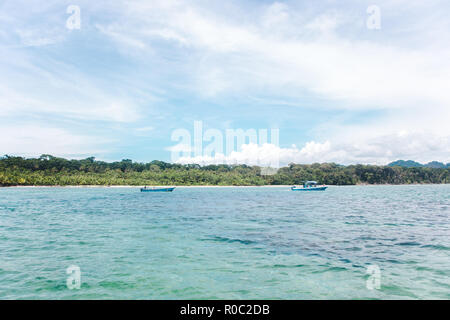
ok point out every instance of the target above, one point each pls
(49, 170)
(414, 164)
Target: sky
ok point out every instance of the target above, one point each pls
(337, 86)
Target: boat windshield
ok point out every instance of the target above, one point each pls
(309, 184)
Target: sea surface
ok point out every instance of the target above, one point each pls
(226, 243)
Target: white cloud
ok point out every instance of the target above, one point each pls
(324, 23)
(275, 51)
(243, 56)
(275, 15)
(32, 140)
(121, 38)
(45, 86)
(144, 129)
(37, 38)
(281, 52)
(379, 150)
(180, 148)
(266, 155)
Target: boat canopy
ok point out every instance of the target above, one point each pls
(309, 183)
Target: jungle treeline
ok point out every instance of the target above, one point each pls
(53, 171)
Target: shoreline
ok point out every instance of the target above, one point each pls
(132, 186)
(206, 186)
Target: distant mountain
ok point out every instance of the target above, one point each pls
(414, 164)
(406, 164)
(436, 164)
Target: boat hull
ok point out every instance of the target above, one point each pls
(157, 189)
(309, 189)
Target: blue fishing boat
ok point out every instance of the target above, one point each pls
(309, 186)
(157, 189)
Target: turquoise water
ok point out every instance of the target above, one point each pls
(225, 243)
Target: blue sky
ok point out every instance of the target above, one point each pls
(136, 71)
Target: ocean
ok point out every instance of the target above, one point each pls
(352, 242)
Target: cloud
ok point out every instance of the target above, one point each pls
(275, 14)
(255, 55)
(180, 148)
(379, 150)
(121, 38)
(32, 140)
(38, 38)
(144, 129)
(305, 56)
(41, 85)
(241, 56)
(266, 155)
